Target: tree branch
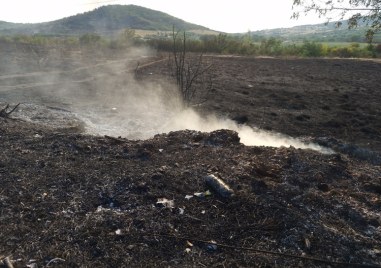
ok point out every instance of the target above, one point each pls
(4, 113)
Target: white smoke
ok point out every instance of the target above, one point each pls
(154, 110)
(107, 98)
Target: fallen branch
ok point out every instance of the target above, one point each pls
(8, 262)
(342, 264)
(4, 113)
(219, 186)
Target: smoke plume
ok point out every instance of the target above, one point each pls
(107, 98)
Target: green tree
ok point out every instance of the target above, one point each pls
(368, 11)
(271, 46)
(312, 49)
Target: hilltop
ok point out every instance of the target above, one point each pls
(111, 19)
(103, 20)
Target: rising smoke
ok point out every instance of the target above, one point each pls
(110, 101)
(140, 110)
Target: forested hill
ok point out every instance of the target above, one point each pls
(319, 32)
(102, 20)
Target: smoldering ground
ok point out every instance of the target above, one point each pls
(101, 94)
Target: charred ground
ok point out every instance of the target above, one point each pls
(73, 200)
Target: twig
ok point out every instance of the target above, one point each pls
(348, 9)
(54, 260)
(3, 112)
(8, 263)
(344, 264)
(136, 72)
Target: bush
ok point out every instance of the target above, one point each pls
(312, 49)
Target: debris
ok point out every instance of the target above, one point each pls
(32, 264)
(188, 196)
(118, 232)
(199, 194)
(8, 262)
(212, 246)
(54, 261)
(163, 169)
(218, 186)
(307, 243)
(203, 194)
(223, 137)
(164, 202)
(207, 193)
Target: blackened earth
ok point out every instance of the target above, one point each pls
(68, 199)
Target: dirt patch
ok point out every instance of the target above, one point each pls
(74, 200)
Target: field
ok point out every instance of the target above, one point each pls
(317, 98)
(77, 193)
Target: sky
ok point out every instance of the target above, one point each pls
(220, 15)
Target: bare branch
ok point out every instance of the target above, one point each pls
(187, 69)
(351, 9)
(368, 11)
(4, 113)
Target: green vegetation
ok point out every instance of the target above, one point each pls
(219, 44)
(246, 45)
(320, 33)
(34, 43)
(118, 27)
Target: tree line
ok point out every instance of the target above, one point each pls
(219, 44)
(245, 45)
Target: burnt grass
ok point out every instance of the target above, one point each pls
(72, 200)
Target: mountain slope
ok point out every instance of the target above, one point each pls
(103, 20)
(318, 32)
